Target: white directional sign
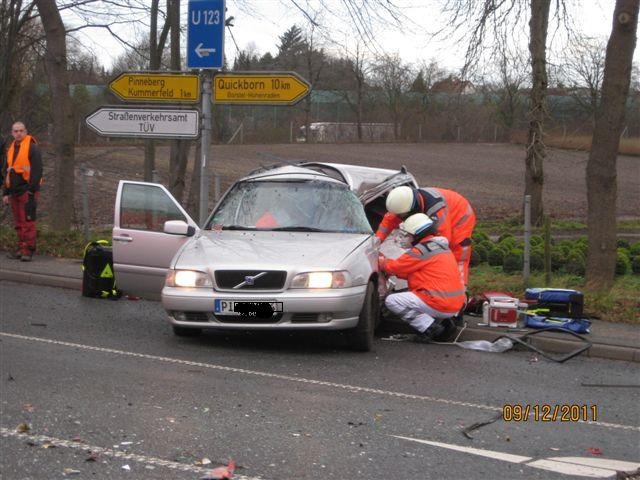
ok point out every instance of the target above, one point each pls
(144, 122)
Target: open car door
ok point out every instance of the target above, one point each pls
(142, 247)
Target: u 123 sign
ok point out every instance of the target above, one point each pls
(205, 34)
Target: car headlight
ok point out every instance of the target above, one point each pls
(188, 278)
(322, 280)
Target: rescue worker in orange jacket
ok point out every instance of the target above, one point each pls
(22, 174)
(454, 217)
(435, 291)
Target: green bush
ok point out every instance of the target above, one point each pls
(537, 240)
(479, 237)
(622, 243)
(474, 260)
(495, 257)
(575, 263)
(481, 251)
(623, 264)
(536, 261)
(635, 265)
(506, 236)
(558, 258)
(635, 249)
(513, 261)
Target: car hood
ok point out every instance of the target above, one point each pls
(272, 250)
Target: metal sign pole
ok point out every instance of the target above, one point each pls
(207, 113)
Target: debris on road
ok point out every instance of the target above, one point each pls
(27, 407)
(126, 467)
(204, 461)
(221, 473)
(70, 471)
(594, 451)
(23, 428)
(478, 425)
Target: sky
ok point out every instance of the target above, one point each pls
(258, 23)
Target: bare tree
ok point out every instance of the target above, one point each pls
(392, 77)
(314, 65)
(584, 71)
(359, 70)
(19, 31)
(601, 166)
(63, 124)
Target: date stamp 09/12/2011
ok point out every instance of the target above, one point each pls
(550, 413)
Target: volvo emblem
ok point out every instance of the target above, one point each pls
(250, 280)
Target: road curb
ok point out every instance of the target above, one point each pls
(41, 279)
(559, 345)
(555, 345)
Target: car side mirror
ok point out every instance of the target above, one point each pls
(179, 227)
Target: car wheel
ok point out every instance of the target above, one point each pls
(186, 332)
(361, 337)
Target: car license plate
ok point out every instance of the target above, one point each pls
(250, 308)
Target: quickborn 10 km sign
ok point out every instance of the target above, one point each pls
(144, 122)
(259, 88)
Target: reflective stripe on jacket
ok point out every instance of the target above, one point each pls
(432, 274)
(19, 163)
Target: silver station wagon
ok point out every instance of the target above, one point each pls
(286, 248)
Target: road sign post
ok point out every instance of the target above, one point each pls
(205, 34)
(205, 145)
(156, 87)
(260, 88)
(205, 50)
(144, 122)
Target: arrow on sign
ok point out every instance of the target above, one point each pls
(204, 52)
(144, 122)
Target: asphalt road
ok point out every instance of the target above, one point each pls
(108, 392)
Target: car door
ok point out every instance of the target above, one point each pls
(142, 251)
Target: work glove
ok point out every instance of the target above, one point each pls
(30, 208)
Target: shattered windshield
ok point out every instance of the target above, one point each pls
(311, 206)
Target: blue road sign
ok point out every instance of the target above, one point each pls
(205, 34)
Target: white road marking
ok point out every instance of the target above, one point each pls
(289, 378)
(505, 457)
(578, 466)
(109, 452)
(600, 463)
(572, 469)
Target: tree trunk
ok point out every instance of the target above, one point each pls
(601, 166)
(193, 200)
(536, 150)
(63, 125)
(179, 148)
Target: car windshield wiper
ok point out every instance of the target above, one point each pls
(237, 227)
(297, 229)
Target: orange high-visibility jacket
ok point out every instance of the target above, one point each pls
(448, 208)
(21, 164)
(432, 274)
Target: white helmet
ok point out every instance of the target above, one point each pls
(417, 224)
(400, 200)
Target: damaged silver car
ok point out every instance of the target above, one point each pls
(286, 248)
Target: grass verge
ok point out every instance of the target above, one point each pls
(621, 304)
(68, 244)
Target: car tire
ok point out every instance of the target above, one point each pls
(186, 332)
(361, 337)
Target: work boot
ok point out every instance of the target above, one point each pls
(430, 333)
(25, 257)
(14, 255)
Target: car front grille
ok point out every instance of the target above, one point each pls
(271, 280)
